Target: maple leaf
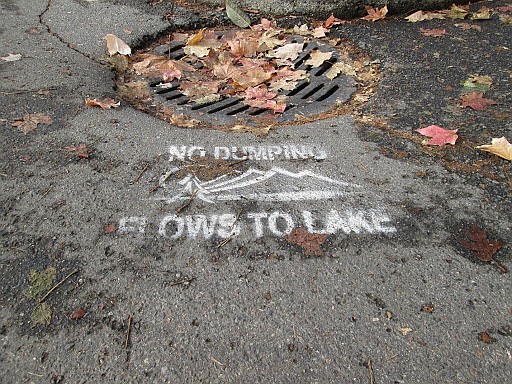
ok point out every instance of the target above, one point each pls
(30, 121)
(482, 248)
(500, 147)
(331, 21)
(310, 242)
(261, 97)
(11, 57)
(116, 45)
(340, 67)
(434, 32)
(200, 44)
(375, 14)
(483, 13)
(264, 25)
(103, 104)
(243, 46)
(476, 101)
(317, 58)
(319, 32)
(82, 151)
(159, 66)
(439, 136)
(288, 52)
(287, 78)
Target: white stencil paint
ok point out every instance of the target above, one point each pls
(259, 224)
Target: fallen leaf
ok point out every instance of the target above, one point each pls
(476, 83)
(476, 101)
(338, 68)
(482, 248)
(29, 122)
(237, 15)
(261, 97)
(504, 8)
(331, 21)
(375, 14)
(310, 242)
(116, 45)
(421, 16)
(483, 13)
(404, 331)
(82, 151)
(433, 32)
(439, 136)
(40, 282)
(103, 104)
(252, 77)
(42, 314)
(317, 58)
(288, 52)
(77, 314)
(201, 92)
(506, 19)
(109, 228)
(319, 32)
(11, 57)
(134, 90)
(468, 26)
(303, 30)
(201, 43)
(500, 147)
(428, 307)
(486, 338)
(456, 12)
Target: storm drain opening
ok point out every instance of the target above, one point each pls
(221, 80)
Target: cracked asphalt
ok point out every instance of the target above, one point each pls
(330, 251)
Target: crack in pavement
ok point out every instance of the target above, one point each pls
(58, 37)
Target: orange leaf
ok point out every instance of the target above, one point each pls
(375, 14)
(103, 104)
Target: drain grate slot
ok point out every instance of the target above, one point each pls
(223, 107)
(298, 89)
(238, 110)
(331, 91)
(325, 67)
(312, 92)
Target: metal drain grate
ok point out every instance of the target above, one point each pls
(312, 96)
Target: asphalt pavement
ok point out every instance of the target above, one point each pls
(332, 249)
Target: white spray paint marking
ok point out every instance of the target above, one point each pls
(254, 184)
(259, 224)
(255, 153)
(132, 224)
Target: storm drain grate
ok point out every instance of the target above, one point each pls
(311, 96)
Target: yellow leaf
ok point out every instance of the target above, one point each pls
(116, 45)
(500, 147)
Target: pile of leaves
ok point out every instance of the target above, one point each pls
(255, 65)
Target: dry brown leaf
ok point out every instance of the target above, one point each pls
(81, 151)
(421, 16)
(29, 122)
(288, 52)
(483, 13)
(103, 104)
(500, 147)
(116, 45)
(468, 26)
(375, 14)
(433, 32)
(338, 68)
(317, 58)
(11, 57)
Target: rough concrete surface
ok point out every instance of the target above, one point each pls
(209, 286)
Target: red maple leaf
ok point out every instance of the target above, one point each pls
(476, 101)
(310, 242)
(439, 136)
(480, 244)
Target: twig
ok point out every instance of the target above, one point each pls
(228, 239)
(47, 192)
(35, 374)
(188, 202)
(57, 286)
(500, 266)
(184, 281)
(372, 374)
(128, 333)
(141, 173)
(216, 361)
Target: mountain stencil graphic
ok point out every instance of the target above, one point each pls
(276, 184)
